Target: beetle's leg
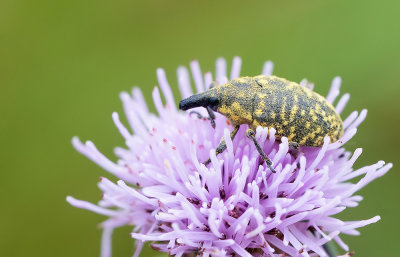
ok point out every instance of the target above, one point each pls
(222, 145)
(294, 149)
(251, 134)
(209, 110)
(212, 116)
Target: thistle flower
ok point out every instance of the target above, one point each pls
(235, 206)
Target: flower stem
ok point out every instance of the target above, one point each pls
(189, 255)
(330, 249)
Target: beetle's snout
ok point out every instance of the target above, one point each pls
(199, 100)
(189, 103)
(184, 105)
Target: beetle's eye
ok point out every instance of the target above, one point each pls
(213, 102)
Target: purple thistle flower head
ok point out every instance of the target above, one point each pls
(235, 206)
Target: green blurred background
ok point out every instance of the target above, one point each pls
(63, 64)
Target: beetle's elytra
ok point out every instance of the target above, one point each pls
(296, 112)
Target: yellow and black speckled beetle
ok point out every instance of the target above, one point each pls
(296, 112)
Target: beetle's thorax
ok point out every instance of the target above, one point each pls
(236, 100)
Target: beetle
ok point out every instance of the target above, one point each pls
(296, 112)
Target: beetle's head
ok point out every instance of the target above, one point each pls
(207, 98)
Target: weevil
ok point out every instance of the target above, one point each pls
(296, 112)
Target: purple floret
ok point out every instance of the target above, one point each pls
(235, 206)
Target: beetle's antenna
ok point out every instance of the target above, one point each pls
(210, 112)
